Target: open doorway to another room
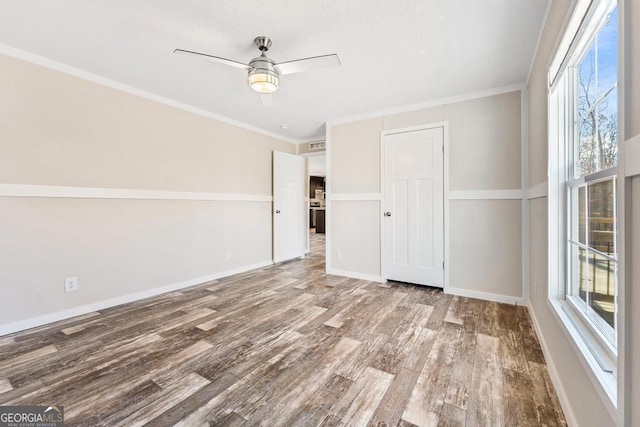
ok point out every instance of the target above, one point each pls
(316, 167)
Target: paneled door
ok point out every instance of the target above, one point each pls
(289, 206)
(413, 207)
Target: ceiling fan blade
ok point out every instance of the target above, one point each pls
(267, 100)
(225, 61)
(308, 64)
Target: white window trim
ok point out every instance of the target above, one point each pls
(594, 350)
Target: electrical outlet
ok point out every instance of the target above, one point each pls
(71, 284)
(339, 254)
(229, 254)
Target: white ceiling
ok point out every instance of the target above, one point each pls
(393, 53)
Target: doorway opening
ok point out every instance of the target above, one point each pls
(316, 171)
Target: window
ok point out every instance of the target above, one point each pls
(583, 147)
(591, 180)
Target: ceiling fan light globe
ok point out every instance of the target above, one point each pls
(263, 81)
(264, 87)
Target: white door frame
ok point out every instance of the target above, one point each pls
(445, 128)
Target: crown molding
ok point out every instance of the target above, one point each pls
(104, 81)
(519, 87)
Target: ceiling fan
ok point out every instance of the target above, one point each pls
(264, 73)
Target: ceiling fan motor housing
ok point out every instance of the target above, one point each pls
(263, 43)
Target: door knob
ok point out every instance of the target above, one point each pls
(387, 213)
(277, 211)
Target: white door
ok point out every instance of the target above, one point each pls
(289, 206)
(413, 207)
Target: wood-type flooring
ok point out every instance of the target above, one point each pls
(288, 345)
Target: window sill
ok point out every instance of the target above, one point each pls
(605, 383)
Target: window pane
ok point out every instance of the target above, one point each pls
(601, 216)
(607, 136)
(597, 101)
(602, 286)
(587, 160)
(607, 54)
(587, 81)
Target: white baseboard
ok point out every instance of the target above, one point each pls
(33, 322)
(553, 373)
(487, 296)
(356, 275)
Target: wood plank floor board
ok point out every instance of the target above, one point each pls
(348, 312)
(486, 401)
(26, 358)
(531, 344)
(392, 404)
(55, 362)
(172, 393)
(512, 351)
(294, 395)
(517, 384)
(370, 312)
(402, 338)
(421, 350)
(284, 367)
(452, 416)
(352, 367)
(428, 395)
(5, 386)
(458, 390)
(542, 390)
(95, 383)
(286, 375)
(318, 407)
(489, 319)
(471, 315)
(360, 402)
(455, 312)
(128, 381)
(287, 345)
(232, 419)
(520, 412)
(129, 400)
(439, 312)
(174, 414)
(550, 417)
(307, 347)
(129, 348)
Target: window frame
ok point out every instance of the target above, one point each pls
(599, 349)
